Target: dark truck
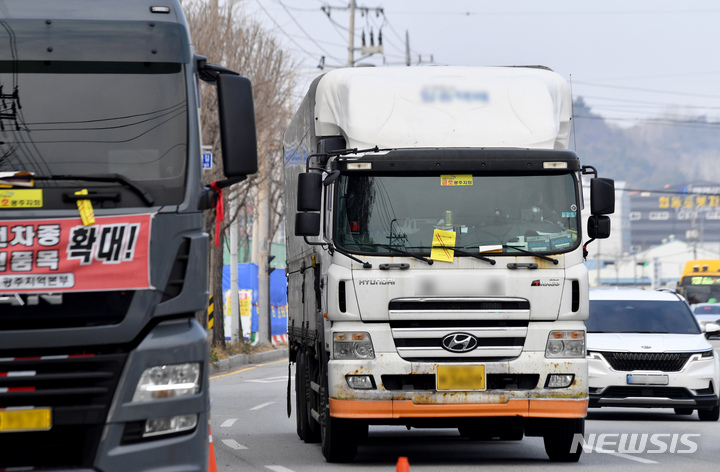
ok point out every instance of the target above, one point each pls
(103, 254)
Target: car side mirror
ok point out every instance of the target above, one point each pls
(711, 329)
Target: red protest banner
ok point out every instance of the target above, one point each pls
(63, 255)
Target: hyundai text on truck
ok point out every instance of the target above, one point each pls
(103, 254)
(435, 256)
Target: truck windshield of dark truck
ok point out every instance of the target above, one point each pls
(94, 108)
(535, 213)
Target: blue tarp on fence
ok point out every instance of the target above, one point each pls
(248, 280)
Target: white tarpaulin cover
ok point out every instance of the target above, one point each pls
(393, 107)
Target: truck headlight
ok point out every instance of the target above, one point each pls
(352, 346)
(565, 344)
(168, 381)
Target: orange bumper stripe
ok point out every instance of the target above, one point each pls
(407, 409)
(558, 408)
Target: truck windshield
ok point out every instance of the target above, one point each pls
(79, 118)
(532, 213)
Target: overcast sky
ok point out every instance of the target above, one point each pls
(629, 59)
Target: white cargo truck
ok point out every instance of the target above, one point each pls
(435, 275)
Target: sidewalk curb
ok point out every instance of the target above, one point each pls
(235, 362)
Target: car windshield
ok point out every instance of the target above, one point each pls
(640, 316)
(533, 213)
(707, 310)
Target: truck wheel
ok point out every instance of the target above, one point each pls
(683, 411)
(559, 439)
(307, 428)
(340, 438)
(300, 400)
(709, 415)
(312, 400)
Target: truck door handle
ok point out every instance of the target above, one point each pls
(394, 266)
(517, 265)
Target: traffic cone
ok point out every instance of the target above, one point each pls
(212, 466)
(403, 465)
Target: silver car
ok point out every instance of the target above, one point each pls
(645, 349)
(707, 313)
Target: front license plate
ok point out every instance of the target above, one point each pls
(461, 377)
(38, 419)
(647, 379)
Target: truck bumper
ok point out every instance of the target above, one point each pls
(515, 388)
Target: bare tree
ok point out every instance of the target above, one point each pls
(227, 37)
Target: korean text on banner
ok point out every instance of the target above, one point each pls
(63, 255)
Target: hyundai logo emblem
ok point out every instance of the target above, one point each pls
(459, 342)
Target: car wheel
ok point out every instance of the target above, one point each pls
(709, 415)
(683, 411)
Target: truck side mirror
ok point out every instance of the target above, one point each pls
(602, 196)
(307, 224)
(309, 194)
(598, 226)
(237, 125)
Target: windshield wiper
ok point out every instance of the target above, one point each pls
(404, 252)
(119, 178)
(472, 254)
(525, 251)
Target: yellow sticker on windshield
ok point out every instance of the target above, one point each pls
(442, 243)
(456, 180)
(85, 208)
(21, 199)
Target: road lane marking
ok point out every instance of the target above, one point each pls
(232, 444)
(271, 380)
(261, 406)
(278, 468)
(228, 423)
(249, 368)
(624, 456)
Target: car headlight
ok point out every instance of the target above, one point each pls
(702, 355)
(353, 346)
(168, 381)
(565, 344)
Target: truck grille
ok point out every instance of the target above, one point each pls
(78, 388)
(497, 328)
(630, 361)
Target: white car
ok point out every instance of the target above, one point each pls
(707, 313)
(645, 349)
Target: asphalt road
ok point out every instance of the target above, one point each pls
(252, 431)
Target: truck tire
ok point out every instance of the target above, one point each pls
(307, 428)
(709, 415)
(340, 438)
(300, 409)
(312, 400)
(559, 438)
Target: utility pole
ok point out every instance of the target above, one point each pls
(365, 50)
(407, 48)
(234, 301)
(351, 38)
(262, 226)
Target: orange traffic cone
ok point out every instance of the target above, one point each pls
(212, 466)
(403, 465)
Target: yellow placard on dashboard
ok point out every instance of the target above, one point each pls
(456, 180)
(21, 198)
